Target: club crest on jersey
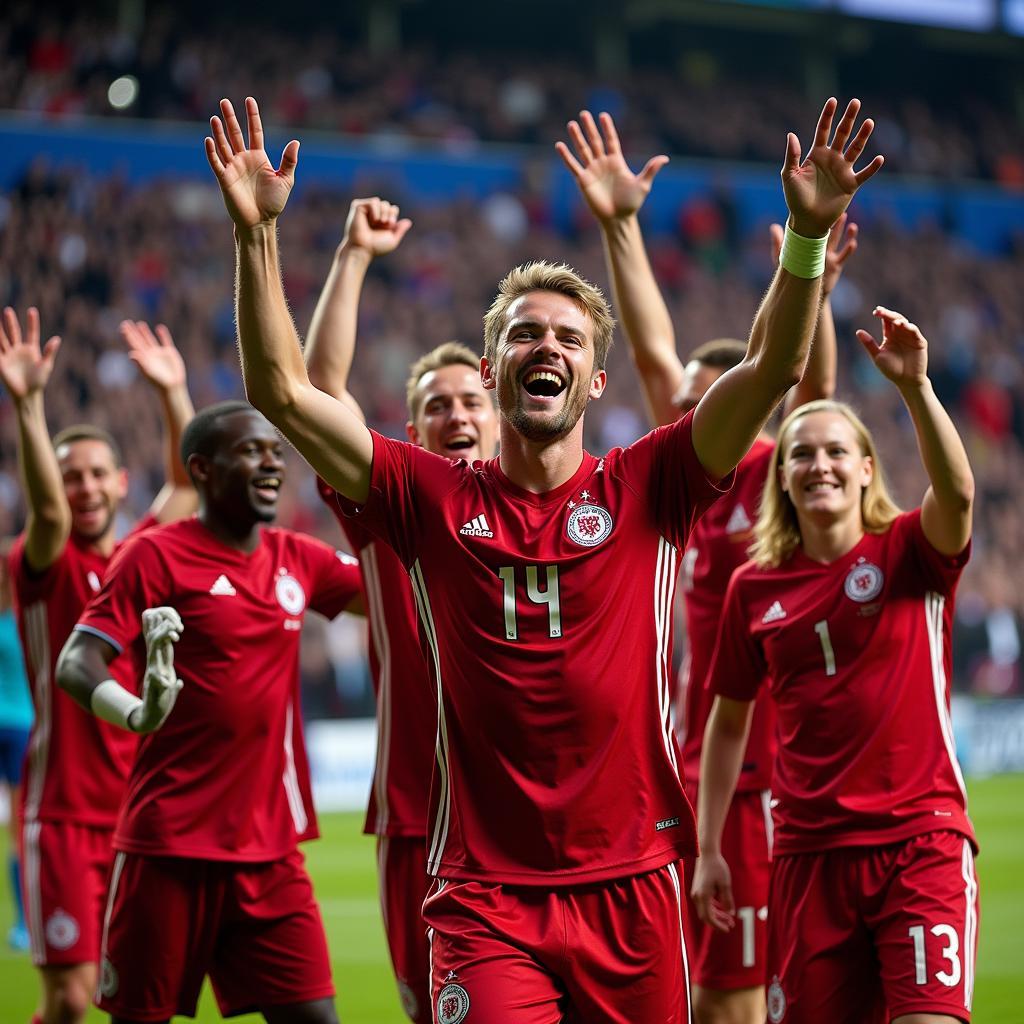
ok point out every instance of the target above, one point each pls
(863, 582)
(776, 1001)
(290, 595)
(452, 1004)
(62, 930)
(588, 525)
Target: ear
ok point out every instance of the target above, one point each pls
(198, 468)
(597, 385)
(487, 374)
(782, 479)
(412, 433)
(122, 483)
(867, 471)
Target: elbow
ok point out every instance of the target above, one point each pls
(273, 396)
(65, 671)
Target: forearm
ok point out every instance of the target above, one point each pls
(330, 344)
(178, 410)
(81, 668)
(725, 740)
(644, 316)
(819, 379)
(49, 518)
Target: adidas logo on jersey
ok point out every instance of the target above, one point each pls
(222, 588)
(774, 613)
(478, 527)
(739, 521)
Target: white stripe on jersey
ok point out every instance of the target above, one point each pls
(37, 634)
(934, 604)
(382, 865)
(664, 588)
(382, 647)
(769, 821)
(970, 949)
(440, 836)
(290, 778)
(674, 875)
(33, 892)
(115, 879)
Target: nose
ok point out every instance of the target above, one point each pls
(821, 462)
(457, 413)
(546, 343)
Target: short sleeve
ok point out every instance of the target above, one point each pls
(137, 579)
(662, 468)
(336, 580)
(941, 572)
(738, 667)
(30, 585)
(405, 480)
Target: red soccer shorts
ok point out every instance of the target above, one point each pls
(255, 929)
(610, 952)
(403, 882)
(725, 961)
(64, 883)
(865, 934)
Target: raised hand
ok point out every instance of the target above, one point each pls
(161, 629)
(254, 192)
(820, 188)
(373, 225)
(24, 366)
(902, 356)
(155, 355)
(838, 252)
(610, 188)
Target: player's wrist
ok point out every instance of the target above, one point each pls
(353, 253)
(113, 703)
(802, 255)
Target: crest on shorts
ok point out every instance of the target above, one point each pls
(62, 930)
(863, 582)
(290, 595)
(776, 1001)
(108, 979)
(589, 525)
(452, 1004)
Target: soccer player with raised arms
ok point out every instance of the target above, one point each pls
(452, 415)
(557, 812)
(726, 968)
(845, 613)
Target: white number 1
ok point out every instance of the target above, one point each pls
(548, 596)
(951, 953)
(821, 628)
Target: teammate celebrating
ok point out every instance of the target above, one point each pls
(208, 878)
(846, 609)
(73, 487)
(727, 969)
(544, 582)
(450, 414)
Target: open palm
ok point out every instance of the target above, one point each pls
(24, 366)
(902, 356)
(154, 354)
(610, 188)
(820, 188)
(254, 192)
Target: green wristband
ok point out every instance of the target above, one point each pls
(803, 257)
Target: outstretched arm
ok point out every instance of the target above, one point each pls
(736, 407)
(328, 435)
(161, 364)
(948, 504)
(372, 229)
(25, 369)
(615, 194)
(819, 379)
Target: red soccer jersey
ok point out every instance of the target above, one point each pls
(548, 618)
(717, 546)
(76, 765)
(859, 659)
(406, 698)
(226, 776)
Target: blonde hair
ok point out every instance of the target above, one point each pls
(541, 276)
(450, 353)
(777, 531)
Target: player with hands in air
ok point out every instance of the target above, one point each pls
(845, 615)
(516, 568)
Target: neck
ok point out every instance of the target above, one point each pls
(243, 537)
(540, 466)
(826, 541)
(104, 546)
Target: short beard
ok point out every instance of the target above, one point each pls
(97, 534)
(534, 429)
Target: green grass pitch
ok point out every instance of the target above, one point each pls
(343, 869)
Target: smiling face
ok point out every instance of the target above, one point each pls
(94, 485)
(823, 469)
(697, 378)
(543, 370)
(240, 482)
(454, 414)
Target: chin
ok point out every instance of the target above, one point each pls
(265, 515)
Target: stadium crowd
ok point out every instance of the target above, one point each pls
(101, 250)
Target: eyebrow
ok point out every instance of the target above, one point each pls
(532, 322)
